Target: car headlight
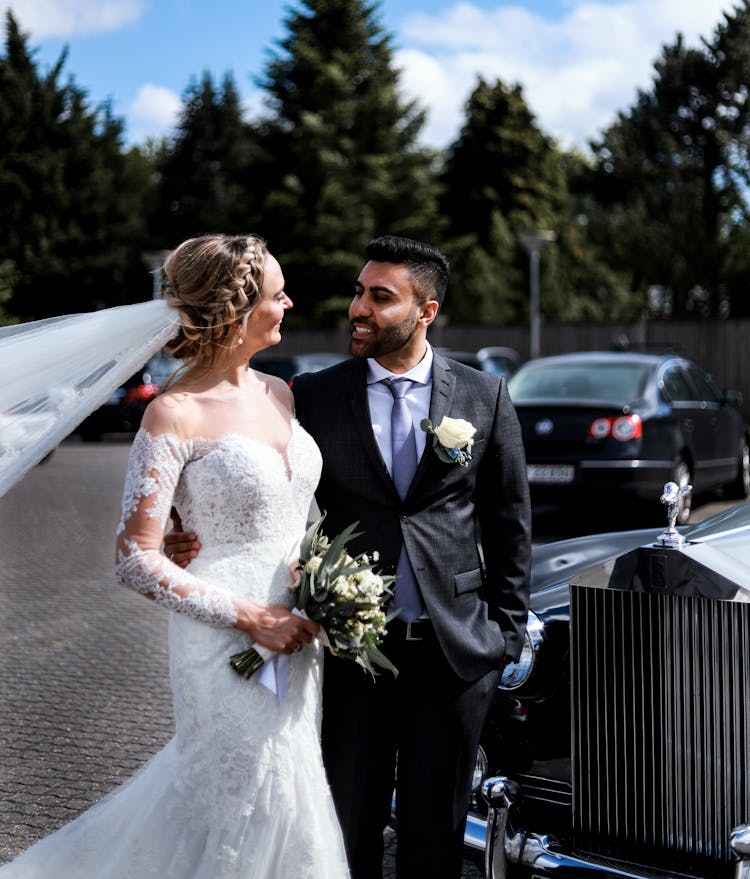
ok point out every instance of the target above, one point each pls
(516, 674)
(480, 769)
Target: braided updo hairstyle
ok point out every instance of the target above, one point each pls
(213, 281)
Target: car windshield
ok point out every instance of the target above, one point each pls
(589, 380)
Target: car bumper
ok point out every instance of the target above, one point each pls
(636, 476)
(510, 849)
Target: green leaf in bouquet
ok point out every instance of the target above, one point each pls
(381, 660)
(371, 657)
(391, 615)
(441, 452)
(306, 550)
(307, 584)
(337, 548)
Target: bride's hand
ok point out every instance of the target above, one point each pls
(180, 547)
(275, 626)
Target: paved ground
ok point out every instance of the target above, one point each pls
(84, 694)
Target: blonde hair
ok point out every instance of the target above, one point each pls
(214, 282)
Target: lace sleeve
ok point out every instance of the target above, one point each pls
(153, 472)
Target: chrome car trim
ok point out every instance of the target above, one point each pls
(635, 464)
(508, 845)
(739, 844)
(715, 462)
(688, 657)
(523, 669)
(639, 463)
(672, 497)
(711, 557)
(475, 833)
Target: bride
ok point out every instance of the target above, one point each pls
(240, 790)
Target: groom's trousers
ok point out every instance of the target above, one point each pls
(418, 732)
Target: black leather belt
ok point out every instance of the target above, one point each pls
(417, 630)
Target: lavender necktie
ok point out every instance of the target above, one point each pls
(404, 456)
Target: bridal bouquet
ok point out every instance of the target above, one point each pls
(344, 595)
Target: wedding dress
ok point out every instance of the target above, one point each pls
(240, 790)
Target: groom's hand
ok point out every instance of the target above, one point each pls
(180, 546)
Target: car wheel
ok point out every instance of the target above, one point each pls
(739, 487)
(682, 476)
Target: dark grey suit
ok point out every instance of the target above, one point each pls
(467, 532)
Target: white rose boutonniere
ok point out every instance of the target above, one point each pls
(452, 439)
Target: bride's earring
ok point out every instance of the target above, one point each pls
(240, 340)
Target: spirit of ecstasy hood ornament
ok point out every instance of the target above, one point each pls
(672, 496)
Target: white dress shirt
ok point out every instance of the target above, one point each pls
(381, 403)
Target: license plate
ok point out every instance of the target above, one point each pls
(550, 473)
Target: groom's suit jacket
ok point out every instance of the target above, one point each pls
(466, 529)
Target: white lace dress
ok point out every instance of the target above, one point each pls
(240, 791)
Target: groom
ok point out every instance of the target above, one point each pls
(458, 536)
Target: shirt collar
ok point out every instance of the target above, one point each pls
(420, 374)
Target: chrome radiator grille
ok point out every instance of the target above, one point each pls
(660, 688)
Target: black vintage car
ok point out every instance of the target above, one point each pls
(626, 423)
(620, 742)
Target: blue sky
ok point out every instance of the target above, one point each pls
(579, 61)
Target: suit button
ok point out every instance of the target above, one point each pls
(403, 518)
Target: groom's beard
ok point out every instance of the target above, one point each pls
(385, 340)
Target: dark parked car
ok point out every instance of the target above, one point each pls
(626, 423)
(290, 366)
(619, 745)
(497, 360)
(500, 360)
(124, 409)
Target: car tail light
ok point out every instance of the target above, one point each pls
(141, 393)
(600, 428)
(627, 427)
(622, 428)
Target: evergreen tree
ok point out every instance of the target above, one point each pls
(339, 161)
(501, 163)
(72, 220)
(502, 177)
(201, 171)
(672, 175)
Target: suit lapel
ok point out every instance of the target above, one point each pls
(357, 393)
(441, 398)
(443, 388)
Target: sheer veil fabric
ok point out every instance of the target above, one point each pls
(57, 371)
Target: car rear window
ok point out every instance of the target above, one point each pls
(583, 381)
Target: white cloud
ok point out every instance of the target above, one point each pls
(577, 70)
(66, 18)
(253, 106)
(153, 112)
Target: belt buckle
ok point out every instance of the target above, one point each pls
(409, 636)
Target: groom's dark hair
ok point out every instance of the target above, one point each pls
(428, 267)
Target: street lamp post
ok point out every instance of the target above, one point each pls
(533, 242)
